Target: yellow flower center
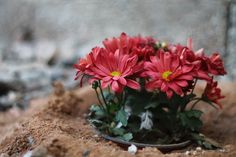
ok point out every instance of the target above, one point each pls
(115, 73)
(163, 44)
(166, 74)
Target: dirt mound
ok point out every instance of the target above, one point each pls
(56, 127)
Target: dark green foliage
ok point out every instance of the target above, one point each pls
(121, 116)
(172, 122)
(191, 119)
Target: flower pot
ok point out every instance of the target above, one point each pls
(162, 147)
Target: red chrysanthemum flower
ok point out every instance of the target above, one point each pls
(215, 64)
(188, 56)
(141, 46)
(124, 44)
(115, 70)
(205, 65)
(83, 65)
(167, 73)
(213, 93)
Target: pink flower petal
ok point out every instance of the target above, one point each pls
(98, 71)
(105, 79)
(123, 63)
(105, 70)
(167, 61)
(190, 43)
(153, 74)
(133, 84)
(156, 84)
(174, 64)
(169, 93)
(115, 86)
(203, 75)
(116, 78)
(105, 84)
(176, 88)
(122, 81)
(91, 80)
(199, 52)
(182, 83)
(187, 69)
(185, 77)
(164, 87)
(149, 66)
(153, 59)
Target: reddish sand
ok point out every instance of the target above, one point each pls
(56, 126)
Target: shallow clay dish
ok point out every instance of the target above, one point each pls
(162, 147)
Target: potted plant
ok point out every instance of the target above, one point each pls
(145, 90)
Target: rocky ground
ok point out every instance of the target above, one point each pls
(56, 127)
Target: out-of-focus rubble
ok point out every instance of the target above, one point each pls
(28, 70)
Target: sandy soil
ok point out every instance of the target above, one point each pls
(56, 127)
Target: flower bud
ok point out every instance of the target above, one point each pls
(95, 84)
(163, 44)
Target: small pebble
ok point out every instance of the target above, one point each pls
(187, 153)
(198, 149)
(194, 153)
(132, 149)
(222, 150)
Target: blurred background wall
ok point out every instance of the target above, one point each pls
(40, 40)
(72, 27)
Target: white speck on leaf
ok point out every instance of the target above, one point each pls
(146, 120)
(128, 110)
(132, 149)
(119, 125)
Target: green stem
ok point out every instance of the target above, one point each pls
(194, 85)
(103, 97)
(102, 107)
(123, 98)
(120, 99)
(194, 104)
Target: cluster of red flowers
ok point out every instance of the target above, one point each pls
(165, 67)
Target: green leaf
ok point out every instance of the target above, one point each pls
(126, 137)
(97, 110)
(151, 105)
(207, 145)
(194, 113)
(212, 142)
(191, 119)
(204, 141)
(138, 100)
(112, 107)
(118, 131)
(95, 121)
(121, 116)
